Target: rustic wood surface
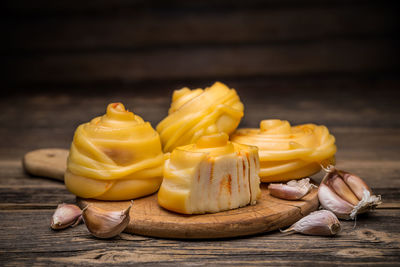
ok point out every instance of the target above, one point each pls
(46, 162)
(149, 219)
(362, 115)
(332, 62)
(269, 214)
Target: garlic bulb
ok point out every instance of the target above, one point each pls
(105, 224)
(66, 215)
(345, 194)
(321, 222)
(293, 190)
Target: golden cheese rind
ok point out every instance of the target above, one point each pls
(209, 176)
(288, 152)
(116, 156)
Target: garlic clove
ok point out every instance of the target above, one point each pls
(321, 222)
(331, 201)
(335, 194)
(66, 215)
(293, 190)
(356, 184)
(285, 192)
(105, 224)
(341, 188)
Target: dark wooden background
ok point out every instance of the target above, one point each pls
(331, 62)
(122, 43)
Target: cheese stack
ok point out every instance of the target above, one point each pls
(199, 112)
(288, 152)
(211, 175)
(117, 156)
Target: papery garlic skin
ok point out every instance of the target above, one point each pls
(199, 112)
(343, 198)
(367, 203)
(209, 176)
(66, 215)
(321, 222)
(105, 224)
(117, 156)
(288, 152)
(293, 190)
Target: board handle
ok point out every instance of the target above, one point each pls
(48, 162)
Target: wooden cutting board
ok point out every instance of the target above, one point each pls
(149, 219)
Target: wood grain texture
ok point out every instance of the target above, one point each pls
(355, 98)
(126, 42)
(149, 219)
(48, 194)
(213, 62)
(157, 28)
(270, 213)
(374, 240)
(68, 7)
(47, 162)
(27, 203)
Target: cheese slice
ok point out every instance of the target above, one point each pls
(209, 176)
(116, 156)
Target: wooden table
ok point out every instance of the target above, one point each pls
(363, 114)
(328, 62)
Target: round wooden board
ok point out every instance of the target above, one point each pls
(149, 219)
(270, 213)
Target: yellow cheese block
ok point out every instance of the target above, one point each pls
(211, 175)
(288, 152)
(117, 156)
(194, 113)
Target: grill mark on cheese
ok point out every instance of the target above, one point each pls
(249, 178)
(230, 190)
(244, 173)
(226, 182)
(211, 170)
(237, 175)
(229, 184)
(210, 178)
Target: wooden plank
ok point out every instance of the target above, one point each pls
(348, 108)
(51, 163)
(64, 7)
(46, 163)
(155, 29)
(199, 62)
(12, 174)
(375, 239)
(376, 148)
(49, 195)
(325, 100)
(34, 197)
(366, 128)
(149, 219)
(378, 174)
